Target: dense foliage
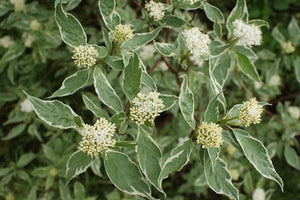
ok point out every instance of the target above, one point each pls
(132, 99)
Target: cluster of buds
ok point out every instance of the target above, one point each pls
(6, 42)
(156, 10)
(84, 56)
(35, 25)
(97, 139)
(288, 47)
(250, 112)
(122, 33)
(209, 135)
(248, 34)
(145, 108)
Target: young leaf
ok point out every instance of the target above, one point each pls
(125, 175)
(73, 83)
(13, 52)
(110, 16)
(291, 157)
(149, 157)
(16, 131)
(168, 100)
(168, 50)
(148, 81)
(257, 155)
(78, 163)
(179, 157)
(247, 67)
(71, 31)
(294, 31)
(94, 106)
(132, 76)
(218, 178)
(213, 13)
(278, 35)
(141, 39)
(239, 11)
(259, 23)
(54, 113)
(105, 92)
(186, 102)
(25, 159)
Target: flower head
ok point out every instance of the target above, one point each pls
(250, 112)
(97, 139)
(209, 135)
(26, 106)
(28, 39)
(156, 10)
(145, 108)
(147, 51)
(35, 25)
(19, 5)
(85, 56)
(248, 34)
(288, 47)
(197, 43)
(294, 112)
(6, 41)
(122, 33)
(258, 194)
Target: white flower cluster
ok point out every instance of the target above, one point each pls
(97, 139)
(35, 25)
(209, 135)
(26, 106)
(248, 34)
(147, 51)
(250, 112)
(197, 43)
(6, 41)
(156, 10)
(259, 194)
(288, 47)
(145, 108)
(19, 4)
(28, 39)
(122, 33)
(294, 112)
(84, 56)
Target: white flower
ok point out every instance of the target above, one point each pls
(28, 39)
(6, 41)
(145, 108)
(294, 112)
(250, 112)
(288, 47)
(97, 139)
(163, 66)
(197, 43)
(147, 51)
(248, 34)
(197, 61)
(275, 80)
(26, 106)
(258, 194)
(122, 33)
(85, 56)
(257, 85)
(156, 10)
(234, 174)
(209, 135)
(35, 25)
(19, 5)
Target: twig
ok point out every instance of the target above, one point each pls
(127, 106)
(155, 65)
(139, 5)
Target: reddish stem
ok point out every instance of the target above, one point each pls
(155, 65)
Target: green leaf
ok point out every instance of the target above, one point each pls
(294, 31)
(78, 163)
(179, 157)
(173, 21)
(232, 113)
(213, 13)
(73, 83)
(13, 52)
(141, 39)
(125, 144)
(218, 178)
(115, 63)
(102, 51)
(132, 76)
(291, 157)
(246, 51)
(213, 154)
(212, 111)
(71, 31)
(63, 191)
(247, 67)
(16, 131)
(257, 155)
(296, 63)
(168, 100)
(278, 35)
(105, 92)
(148, 81)
(25, 159)
(125, 175)
(32, 194)
(149, 157)
(54, 113)
(96, 166)
(239, 11)
(186, 102)
(110, 16)
(166, 49)
(79, 191)
(218, 48)
(94, 106)
(118, 118)
(259, 23)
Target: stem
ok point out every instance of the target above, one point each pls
(223, 121)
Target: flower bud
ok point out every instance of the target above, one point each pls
(250, 112)
(85, 56)
(209, 135)
(122, 33)
(156, 10)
